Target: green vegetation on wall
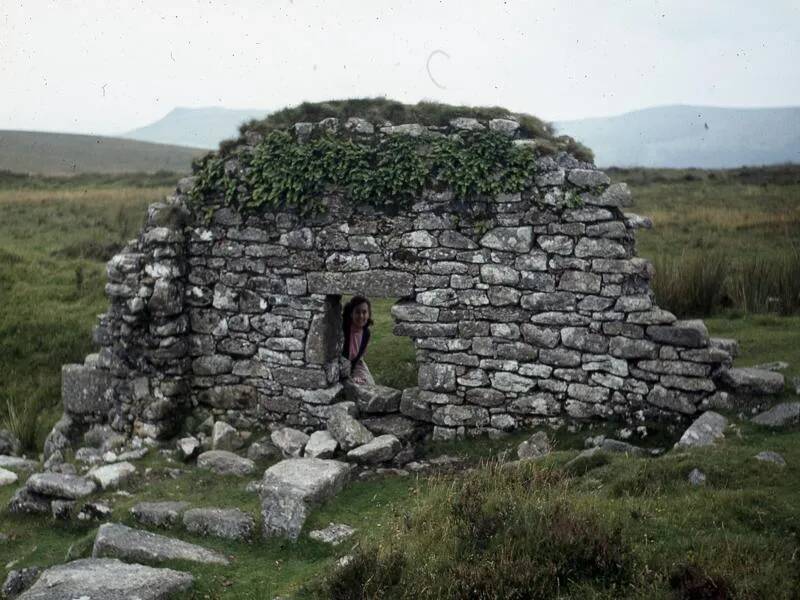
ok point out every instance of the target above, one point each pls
(390, 173)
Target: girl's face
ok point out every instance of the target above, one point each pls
(361, 315)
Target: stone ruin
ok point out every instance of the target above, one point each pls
(524, 309)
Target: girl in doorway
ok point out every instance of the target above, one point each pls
(357, 317)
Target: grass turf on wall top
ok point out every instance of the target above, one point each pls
(277, 167)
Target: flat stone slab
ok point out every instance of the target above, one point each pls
(374, 398)
(782, 414)
(15, 463)
(753, 382)
(113, 475)
(159, 514)
(118, 541)
(705, 431)
(227, 523)
(290, 486)
(107, 579)
(314, 479)
(223, 462)
(376, 283)
(60, 485)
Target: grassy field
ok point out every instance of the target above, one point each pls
(48, 153)
(736, 537)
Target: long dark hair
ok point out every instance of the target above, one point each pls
(347, 312)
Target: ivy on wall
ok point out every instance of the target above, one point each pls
(388, 173)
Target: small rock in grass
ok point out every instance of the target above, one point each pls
(334, 534)
(704, 431)
(89, 456)
(289, 441)
(14, 463)
(697, 477)
(137, 454)
(536, 446)
(778, 365)
(770, 456)
(188, 447)
(113, 475)
(7, 477)
(19, 581)
(59, 485)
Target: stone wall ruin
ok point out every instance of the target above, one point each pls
(523, 308)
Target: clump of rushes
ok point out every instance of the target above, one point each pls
(497, 532)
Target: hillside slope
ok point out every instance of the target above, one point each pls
(196, 127)
(691, 136)
(65, 154)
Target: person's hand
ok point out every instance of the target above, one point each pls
(359, 380)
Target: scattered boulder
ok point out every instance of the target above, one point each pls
(334, 534)
(89, 456)
(225, 437)
(188, 447)
(321, 445)
(107, 578)
(227, 523)
(290, 485)
(263, 449)
(289, 441)
(7, 477)
(60, 485)
(19, 581)
(536, 446)
(620, 447)
(9, 443)
(770, 456)
(347, 431)
(118, 541)
(752, 382)
(696, 477)
(95, 511)
(381, 449)
(159, 514)
(113, 475)
(705, 431)
(399, 426)
(373, 399)
(27, 502)
(15, 463)
(786, 413)
(223, 462)
(129, 455)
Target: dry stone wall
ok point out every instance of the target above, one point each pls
(523, 308)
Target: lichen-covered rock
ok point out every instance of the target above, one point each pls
(226, 523)
(705, 431)
(7, 477)
(382, 449)
(159, 514)
(58, 485)
(223, 462)
(536, 446)
(289, 441)
(9, 443)
(112, 476)
(118, 541)
(348, 431)
(754, 382)
(334, 534)
(321, 444)
(780, 415)
(19, 581)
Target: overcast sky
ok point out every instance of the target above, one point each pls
(108, 67)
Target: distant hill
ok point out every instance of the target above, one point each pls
(65, 154)
(196, 127)
(691, 136)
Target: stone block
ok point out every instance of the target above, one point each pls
(85, 390)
